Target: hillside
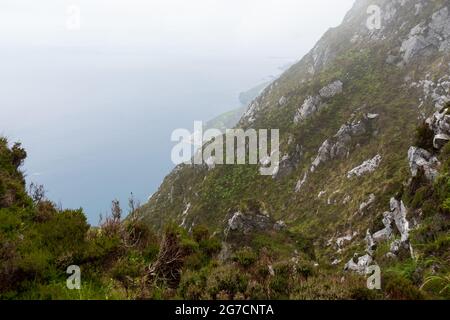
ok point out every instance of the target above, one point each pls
(348, 113)
(363, 181)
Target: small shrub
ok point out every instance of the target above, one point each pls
(397, 287)
(192, 285)
(245, 257)
(226, 279)
(200, 233)
(424, 137)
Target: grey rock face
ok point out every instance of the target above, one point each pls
(313, 104)
(309, 106)
(366, 204)
(247, 223)
(422, 159)
(398, 214)
(439, 122)
(359, 265)
(331, 90)
(426, 38)
(370, 243)
(395, 217)
(286, 166)
(323, 155)
(301, 182)
(366, 167)
(338, 147)
(440, 140)
(341, 241)
(438, 92)
(249, 115)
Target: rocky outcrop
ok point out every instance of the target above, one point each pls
(440, 140)
(343, 240)
(249, 115)
(395, 218)
(359, 264)
(338, 147)
(425, 38)
(436, 91)
(420, 159)
(301, 182)
(366, 204)
(310, 105)
(288, 163)
(332, 89)
(439, 122)
(313, 104)
(247, 223)
(366, 167)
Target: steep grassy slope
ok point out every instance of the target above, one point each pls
(358, 94)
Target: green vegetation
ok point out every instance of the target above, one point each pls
(148, 254)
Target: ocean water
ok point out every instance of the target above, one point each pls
(97, 123)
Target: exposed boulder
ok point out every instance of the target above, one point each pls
(338, 147)
(250, 114)
(440, 140)
(395, 217)
(341, 241)
(438, 92)
(386, 233)
(398, 214)
(286, 165)
(331, 90)
(400, 248)
(359, 264)
(312, 104)
(425, 38)
(366, 167)
(439, 122)
(323, 155)
(370, 243)
(309, 106)
(415, 44)
(422, 159)
(301, 182)
(366, 204)
(247, 223)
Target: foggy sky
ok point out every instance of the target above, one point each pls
(200, 27)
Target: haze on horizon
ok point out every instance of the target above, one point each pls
(95, 107)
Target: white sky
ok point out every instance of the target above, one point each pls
(205, 27)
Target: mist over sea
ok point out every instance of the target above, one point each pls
(97, 124)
